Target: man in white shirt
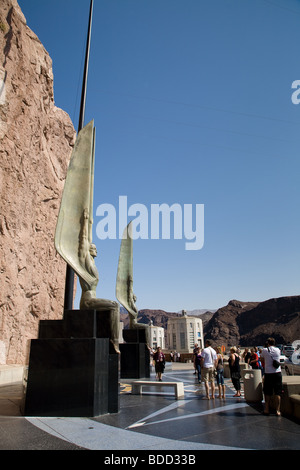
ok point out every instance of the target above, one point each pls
(273, 376)
(209, 363)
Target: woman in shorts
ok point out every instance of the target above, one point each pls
(220, 374)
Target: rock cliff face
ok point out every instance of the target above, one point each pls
(251, 323)
(36, 140)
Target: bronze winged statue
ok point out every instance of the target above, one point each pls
(73, 236)
(124, 284)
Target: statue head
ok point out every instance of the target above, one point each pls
(93, 250)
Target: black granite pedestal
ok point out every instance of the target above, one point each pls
(73, 370)
(135, 355)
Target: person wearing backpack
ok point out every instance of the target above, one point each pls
(273, 378)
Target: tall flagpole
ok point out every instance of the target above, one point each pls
(69, 285)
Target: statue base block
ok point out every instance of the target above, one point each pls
(78, 324)
(135, 335)
(135, 361)
(135, 355)
(72, 375)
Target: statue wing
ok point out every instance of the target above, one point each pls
(77, 197)
(125, 269)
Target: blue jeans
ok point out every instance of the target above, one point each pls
(220, 376)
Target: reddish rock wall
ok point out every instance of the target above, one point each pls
(36, 140)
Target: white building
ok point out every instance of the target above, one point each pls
(184, 332)
(157, 336)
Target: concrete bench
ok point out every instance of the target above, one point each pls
(295, 399)
(291, 387)
(137, 386)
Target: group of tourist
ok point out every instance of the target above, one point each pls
(175, 356)
(252, 358)
(209, 365)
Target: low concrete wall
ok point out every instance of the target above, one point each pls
(11, 374)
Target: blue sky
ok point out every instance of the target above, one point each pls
(192, 105)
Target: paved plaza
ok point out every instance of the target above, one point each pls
(153, 421)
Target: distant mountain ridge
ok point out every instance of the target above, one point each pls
(251, 323)
(201, 311)
(158, 317)
(239, 323)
